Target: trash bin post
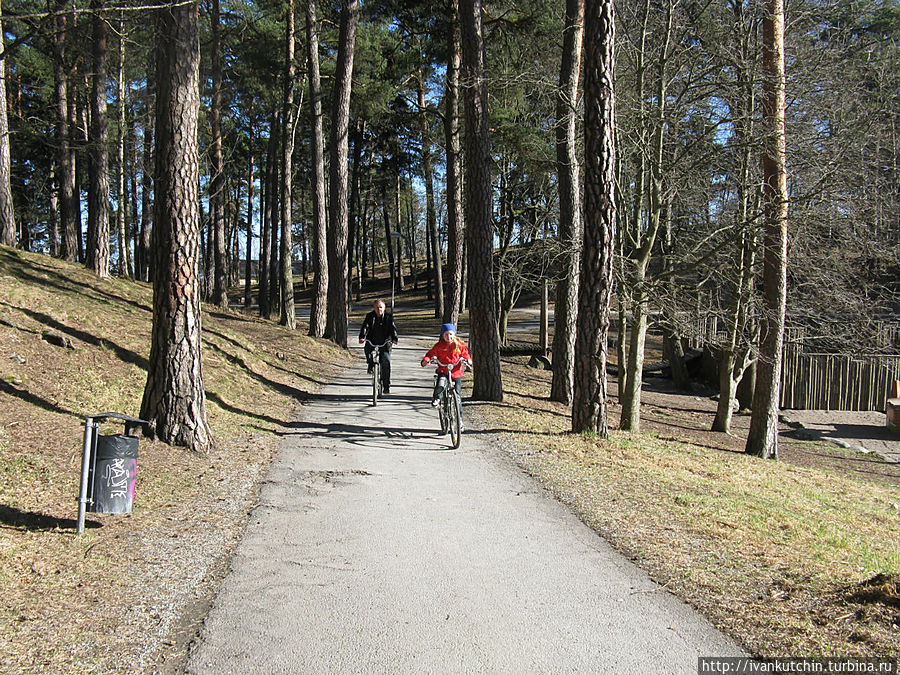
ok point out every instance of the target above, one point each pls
(90, 428)
(89, 460)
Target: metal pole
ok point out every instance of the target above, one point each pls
(395, 238)
(85, 470)
(545, 321)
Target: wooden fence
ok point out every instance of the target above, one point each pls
(836, 381)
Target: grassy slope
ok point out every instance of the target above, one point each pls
(95, 594)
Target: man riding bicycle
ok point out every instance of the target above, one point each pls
(377, 329)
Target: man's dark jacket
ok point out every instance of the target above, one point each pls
(378, 329)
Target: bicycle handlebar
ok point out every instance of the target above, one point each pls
(449, 366)
(384, 344)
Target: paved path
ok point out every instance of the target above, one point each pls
(376, 548)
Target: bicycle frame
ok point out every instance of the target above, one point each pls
(376, 371)
(450, 404)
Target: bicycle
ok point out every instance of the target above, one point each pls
(449, 404)
(377, 391)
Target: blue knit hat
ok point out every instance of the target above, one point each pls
(446, 327)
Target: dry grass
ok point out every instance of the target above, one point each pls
(114, 598)
(790, 559)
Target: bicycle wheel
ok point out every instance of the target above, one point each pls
(455, 429)
(444, 411)
(376, 383)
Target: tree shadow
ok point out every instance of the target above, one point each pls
(357, 434)
(284, 389)
(72, 286)
(34, 400)
(236, 359)
(124, 354)
(39, 522)
(215, 398)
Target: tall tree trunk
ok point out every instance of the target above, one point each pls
(79, 113)
(337, 316)
(125, 268)
(566, 306)
(762, 440)
(53, 223)
(735, 357)
(64, 158)
(265, 233)
(288, 313)
(353, 207)
(133, 222)
(317, 312)
(7, 215)
(399, 220)
(589, 400)
(453, 300)
(248, 262)
(487, 383)
(146, 206)
(219, 295)
(644, 246)
(97, 250)
(274, 201)
(174, 399)
(389, 239)
(430, 215)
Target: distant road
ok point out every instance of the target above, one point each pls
(376, 548)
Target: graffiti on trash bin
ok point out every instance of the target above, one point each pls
(116, 474)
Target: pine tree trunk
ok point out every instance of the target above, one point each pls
(64, 158)
(146, 273)
(174, 399)
(762, 440)
(589, 404)
(317, 313)
(7, 216)
(217, 181)
(248, 263)
(288, 313)
(433, 239)
(97, 250)
(337, 316)
(125, 268)
(487, 384)
(453, 300)
(265, 234)
(566, 306)
(274, 201)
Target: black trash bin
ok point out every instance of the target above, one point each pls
(115, 469)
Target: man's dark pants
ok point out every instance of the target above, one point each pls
(385, 360)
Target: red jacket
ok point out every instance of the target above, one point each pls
(449, 352)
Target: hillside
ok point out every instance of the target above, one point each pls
(111, 597)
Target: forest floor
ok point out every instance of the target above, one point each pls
(799, 557)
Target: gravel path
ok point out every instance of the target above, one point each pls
(864, 431)
(377, 548)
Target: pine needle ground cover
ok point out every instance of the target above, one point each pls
(799, 557)
(124, 596)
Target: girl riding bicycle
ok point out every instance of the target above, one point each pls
(449, 349)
